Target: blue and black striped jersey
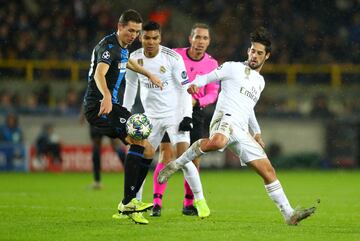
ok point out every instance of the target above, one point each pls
(108, 51)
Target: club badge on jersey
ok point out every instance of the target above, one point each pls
(247, 71)
(162, 69)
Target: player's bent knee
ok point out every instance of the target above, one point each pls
(166, 153)
(149, 151)
(217, 142)
(181, 148)
(165, 156)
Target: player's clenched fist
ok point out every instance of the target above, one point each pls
(156, 81)
(105, 106)
(193, 89)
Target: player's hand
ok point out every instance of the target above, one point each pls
(193, 89)
(186, 124)
(259, 140)
(156, 81)
(105, 106)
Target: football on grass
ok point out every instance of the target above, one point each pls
(138, 126)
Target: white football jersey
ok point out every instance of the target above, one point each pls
(173, 99)
(240, 90)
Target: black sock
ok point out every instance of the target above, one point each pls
(96, 163)
(143, 171)
(132, 170)
(122, 155)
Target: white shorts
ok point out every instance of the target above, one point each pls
(169, 125)
(221, 123)
(241, 143)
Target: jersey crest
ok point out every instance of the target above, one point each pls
(162, 69)
(247, 71)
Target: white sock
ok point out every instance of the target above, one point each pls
(278, 196)
(190, 154)
(192, 176)
(140, 192)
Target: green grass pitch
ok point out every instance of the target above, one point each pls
(61, 207)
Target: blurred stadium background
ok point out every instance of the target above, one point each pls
(309, 111)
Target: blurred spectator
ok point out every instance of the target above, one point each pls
(63, 30)
(274, 150)
(48, 144)
(10, 132)
(160, 15)
(352, 108)
(44, 95)
(27, 31)
(5, 100)
(71, 103)
(320, 108)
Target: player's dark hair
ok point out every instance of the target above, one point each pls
(261, 35)
(130, 15)
(199, 25)
(151, 26)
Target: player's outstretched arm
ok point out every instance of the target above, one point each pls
(215, 75)
(211, 94)
(134, 66)
(131, 89)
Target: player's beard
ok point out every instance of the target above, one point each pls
(254, 67)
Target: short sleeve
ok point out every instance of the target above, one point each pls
(104, 54)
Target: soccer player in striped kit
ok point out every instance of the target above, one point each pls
(197, 62)
(104, 111)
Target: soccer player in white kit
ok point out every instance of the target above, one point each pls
(241, 86)
(169, 109)
(197, 61)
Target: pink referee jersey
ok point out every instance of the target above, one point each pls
(207, 94)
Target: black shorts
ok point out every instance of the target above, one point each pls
(165, 138)
(198, 131)
(112, 125)
(95, 133)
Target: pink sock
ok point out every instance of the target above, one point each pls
(159, 189)
(189, 196)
